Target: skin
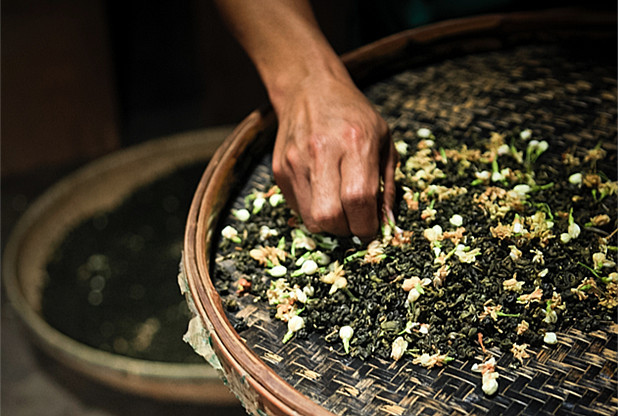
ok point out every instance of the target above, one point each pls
(332, 150)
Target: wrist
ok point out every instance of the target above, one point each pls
(311, 72)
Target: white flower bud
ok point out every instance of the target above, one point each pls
(345, 333)
(503, 149)
(573, 230)
(309, 267)
(522, 189)
(490, 384)
(550, 338)
(258, 203)
(401, 147)
(230, 233)
(575, 179)
(399, 347)
(423, 133)
(497, 177)
(275, 199)
(266, 232)
(296, 323)
(300, 295)
(278, 271)
(308, 291)
(525, 134)
(456, 220)
(483, 175)
(321, 258)
(542, 146)
(242, 215)
(413, 295)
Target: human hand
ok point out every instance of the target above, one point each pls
(331, 152)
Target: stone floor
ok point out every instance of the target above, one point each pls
(34, 384)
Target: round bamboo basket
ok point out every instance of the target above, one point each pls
(261, 388)
(101, 186)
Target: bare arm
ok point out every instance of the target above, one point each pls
(332, 147)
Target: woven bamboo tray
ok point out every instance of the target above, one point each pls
(469, 76)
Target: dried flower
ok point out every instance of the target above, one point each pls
(610, 297)
(515, 253)
(595, 154)
(375, 252)
(538, 256)
(340, 283)
(336, 271)
(433, 234)
(489, 375)
(410, 283)
(513, 284)
(301, 240)
(429, 361)
(465, 255)
(522, 327)
(535, 296)
(411, 198)
(491, 311)
(591, 180)
(428, 214)
(600, 261)
(268, 256)
(599, 220)
(519, 352)
(399, 347)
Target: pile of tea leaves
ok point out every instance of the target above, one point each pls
(503, 234)
(501, 242)
(111, 283)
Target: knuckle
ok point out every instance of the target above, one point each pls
(359, 197)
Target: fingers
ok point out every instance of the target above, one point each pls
(388, 163)
(327, 212)
(359, 195)
(338, 192)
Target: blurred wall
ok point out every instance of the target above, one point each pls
(83, 78)
(58, 98)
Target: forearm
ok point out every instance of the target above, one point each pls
(285, 43)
